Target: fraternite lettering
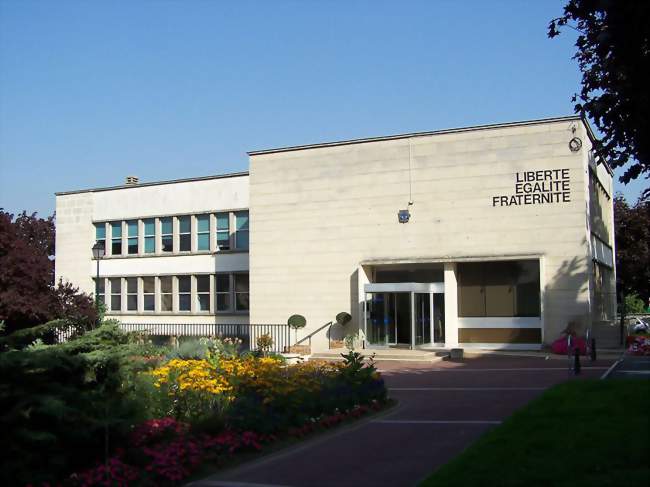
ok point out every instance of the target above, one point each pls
(538, 188)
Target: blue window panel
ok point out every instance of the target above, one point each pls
(100, 231)
(166, 226)
(132, 228)
(116, 230)
(149, 227)
(222, 221)
(203, 223)
(149, 245)
(241, 220)
(184, 224)
(203, 241)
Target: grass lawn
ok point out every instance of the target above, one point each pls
(579, 433)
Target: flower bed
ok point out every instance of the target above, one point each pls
(208, 409)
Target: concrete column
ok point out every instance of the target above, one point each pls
(362, 280)
(451, 305)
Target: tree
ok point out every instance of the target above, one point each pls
(28, 294)
(614, 57)
(632, 225)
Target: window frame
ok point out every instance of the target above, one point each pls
(164, 235)
(223, 230)
(116, 240)
(187, 234)
(114, 294)
(237, 231)
(146, 294)
(180, 293)
(130, 224)
(237, 275)
(163, 293)
(199, 293)
(205, 218)
(148, 237)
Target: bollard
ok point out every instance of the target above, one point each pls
(576, 361)
(593, 349)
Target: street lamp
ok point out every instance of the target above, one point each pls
(98, 252)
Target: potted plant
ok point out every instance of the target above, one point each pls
(296, 322)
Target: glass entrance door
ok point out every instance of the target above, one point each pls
(405, 318)
(422, 314)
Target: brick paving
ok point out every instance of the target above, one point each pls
(443, 407)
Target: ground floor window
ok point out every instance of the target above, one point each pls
(499, 289)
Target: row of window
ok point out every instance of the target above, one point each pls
(187, 233)
(205, 293)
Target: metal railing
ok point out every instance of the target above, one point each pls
(328, 333)
(248, 333)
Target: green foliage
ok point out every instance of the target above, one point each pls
(343, 318)
(21, 338)
(296, 321)
(58, 401)
(634, 304)
(189, 350)
(264, 343)
(613, 55)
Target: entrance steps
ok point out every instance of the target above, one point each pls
(400, 354)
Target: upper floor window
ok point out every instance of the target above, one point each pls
(241, 230)
(100, 233)
(167, 234)
(203, 232)
(116, 238)
(223, 231)
(149, 235)
(132, 236)
(185, 233)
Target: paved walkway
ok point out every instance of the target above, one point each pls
(443, 407)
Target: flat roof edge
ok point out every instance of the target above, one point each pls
(423, 134)
(154, 183)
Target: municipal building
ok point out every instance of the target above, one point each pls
(494, 236)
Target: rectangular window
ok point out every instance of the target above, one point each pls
(203, 232)
(184, 293)
(149, 236)
(499, 289)
(149, 293)
(116, 238)
(116, 294)
(100, 290)
(132, 294)
(241, 292)
(100, 233)
(241, 230)
(185, 233)
(203, 293)
(167, 234)
(166, 293)
(223, 231)
(132, 234)
(222, 285)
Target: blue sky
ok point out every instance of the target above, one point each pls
(93, 91)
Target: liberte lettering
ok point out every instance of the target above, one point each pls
(538, 188)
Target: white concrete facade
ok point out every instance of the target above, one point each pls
(324, 216)
(324, 225)
(78, 212)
